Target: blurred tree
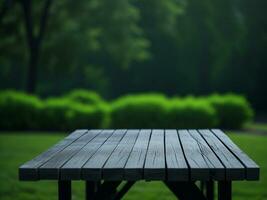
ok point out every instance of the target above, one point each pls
(161, 71)
(34, 38)
(177, 47)
(6, 4)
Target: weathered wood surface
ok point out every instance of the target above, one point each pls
(175, 158)
(92, 170)
(72, 169)
(233, 168)
(135, 164)
(51, 169)
(154, 168)
(168, 155)
(252, 169)
(217, 170)
(29, 170)
(114, 167)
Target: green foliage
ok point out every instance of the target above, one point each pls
(82, 109)
(63, 114)
(19, 111)
(232, 110)
(113, 46)
(84, 97)
(139, 111)
(156, 111)
(191, 113)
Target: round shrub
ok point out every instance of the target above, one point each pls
(84, 97)
(87, 117)
(232, 110)
(19, 111)
(139, 111)
(55, 114)
(63, 114)
(190, 113)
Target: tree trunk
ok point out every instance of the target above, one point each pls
(34, 41)
(32, 69)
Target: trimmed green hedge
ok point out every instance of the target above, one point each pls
(232, 110)
(19, 111)
(139, 111)
(85, 97)
(191, 113)
(63, 114)
(156, 111)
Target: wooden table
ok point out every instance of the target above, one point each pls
(179, 158)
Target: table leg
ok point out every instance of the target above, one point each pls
(201, 186)
(186, 190)
(107, 190)
(225, 190)
(89, 190)
(124, 190)
(64, 190)
(210, 190)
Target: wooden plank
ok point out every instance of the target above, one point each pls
(199, 169)
(217, 170)
(93, 167)
(177, 169)
(50, 170)
(29, 170)
(252, 169)
(114, 167)
(155, 159)
(134, 167)
(234, 169)
(72, 169)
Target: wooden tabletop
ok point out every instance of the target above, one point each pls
(172, 155)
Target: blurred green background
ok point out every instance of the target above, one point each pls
(130, 64)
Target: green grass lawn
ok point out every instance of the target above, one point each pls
(17, 148)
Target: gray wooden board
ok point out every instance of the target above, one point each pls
(155, 160)
(113, 169)
(29, 170)
(234, 169)
(177, 169)
(51, 169)
(134, 155)
(72, 169)
(252, 169)
(217, 170)
(199, 169)
(92, 168)
(133, 169)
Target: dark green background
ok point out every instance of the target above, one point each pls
(177, 47)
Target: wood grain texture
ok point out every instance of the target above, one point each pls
(155, 159)
(92, 170)
(114, 167)
(234, 169)
(133, 169)
(166, 155)
(199, 169)
(217, 170)
(51, 169)
(72, 169)
(177, 169)
(252, 169)
(29, 170)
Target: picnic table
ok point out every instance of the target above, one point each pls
(111, 161)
